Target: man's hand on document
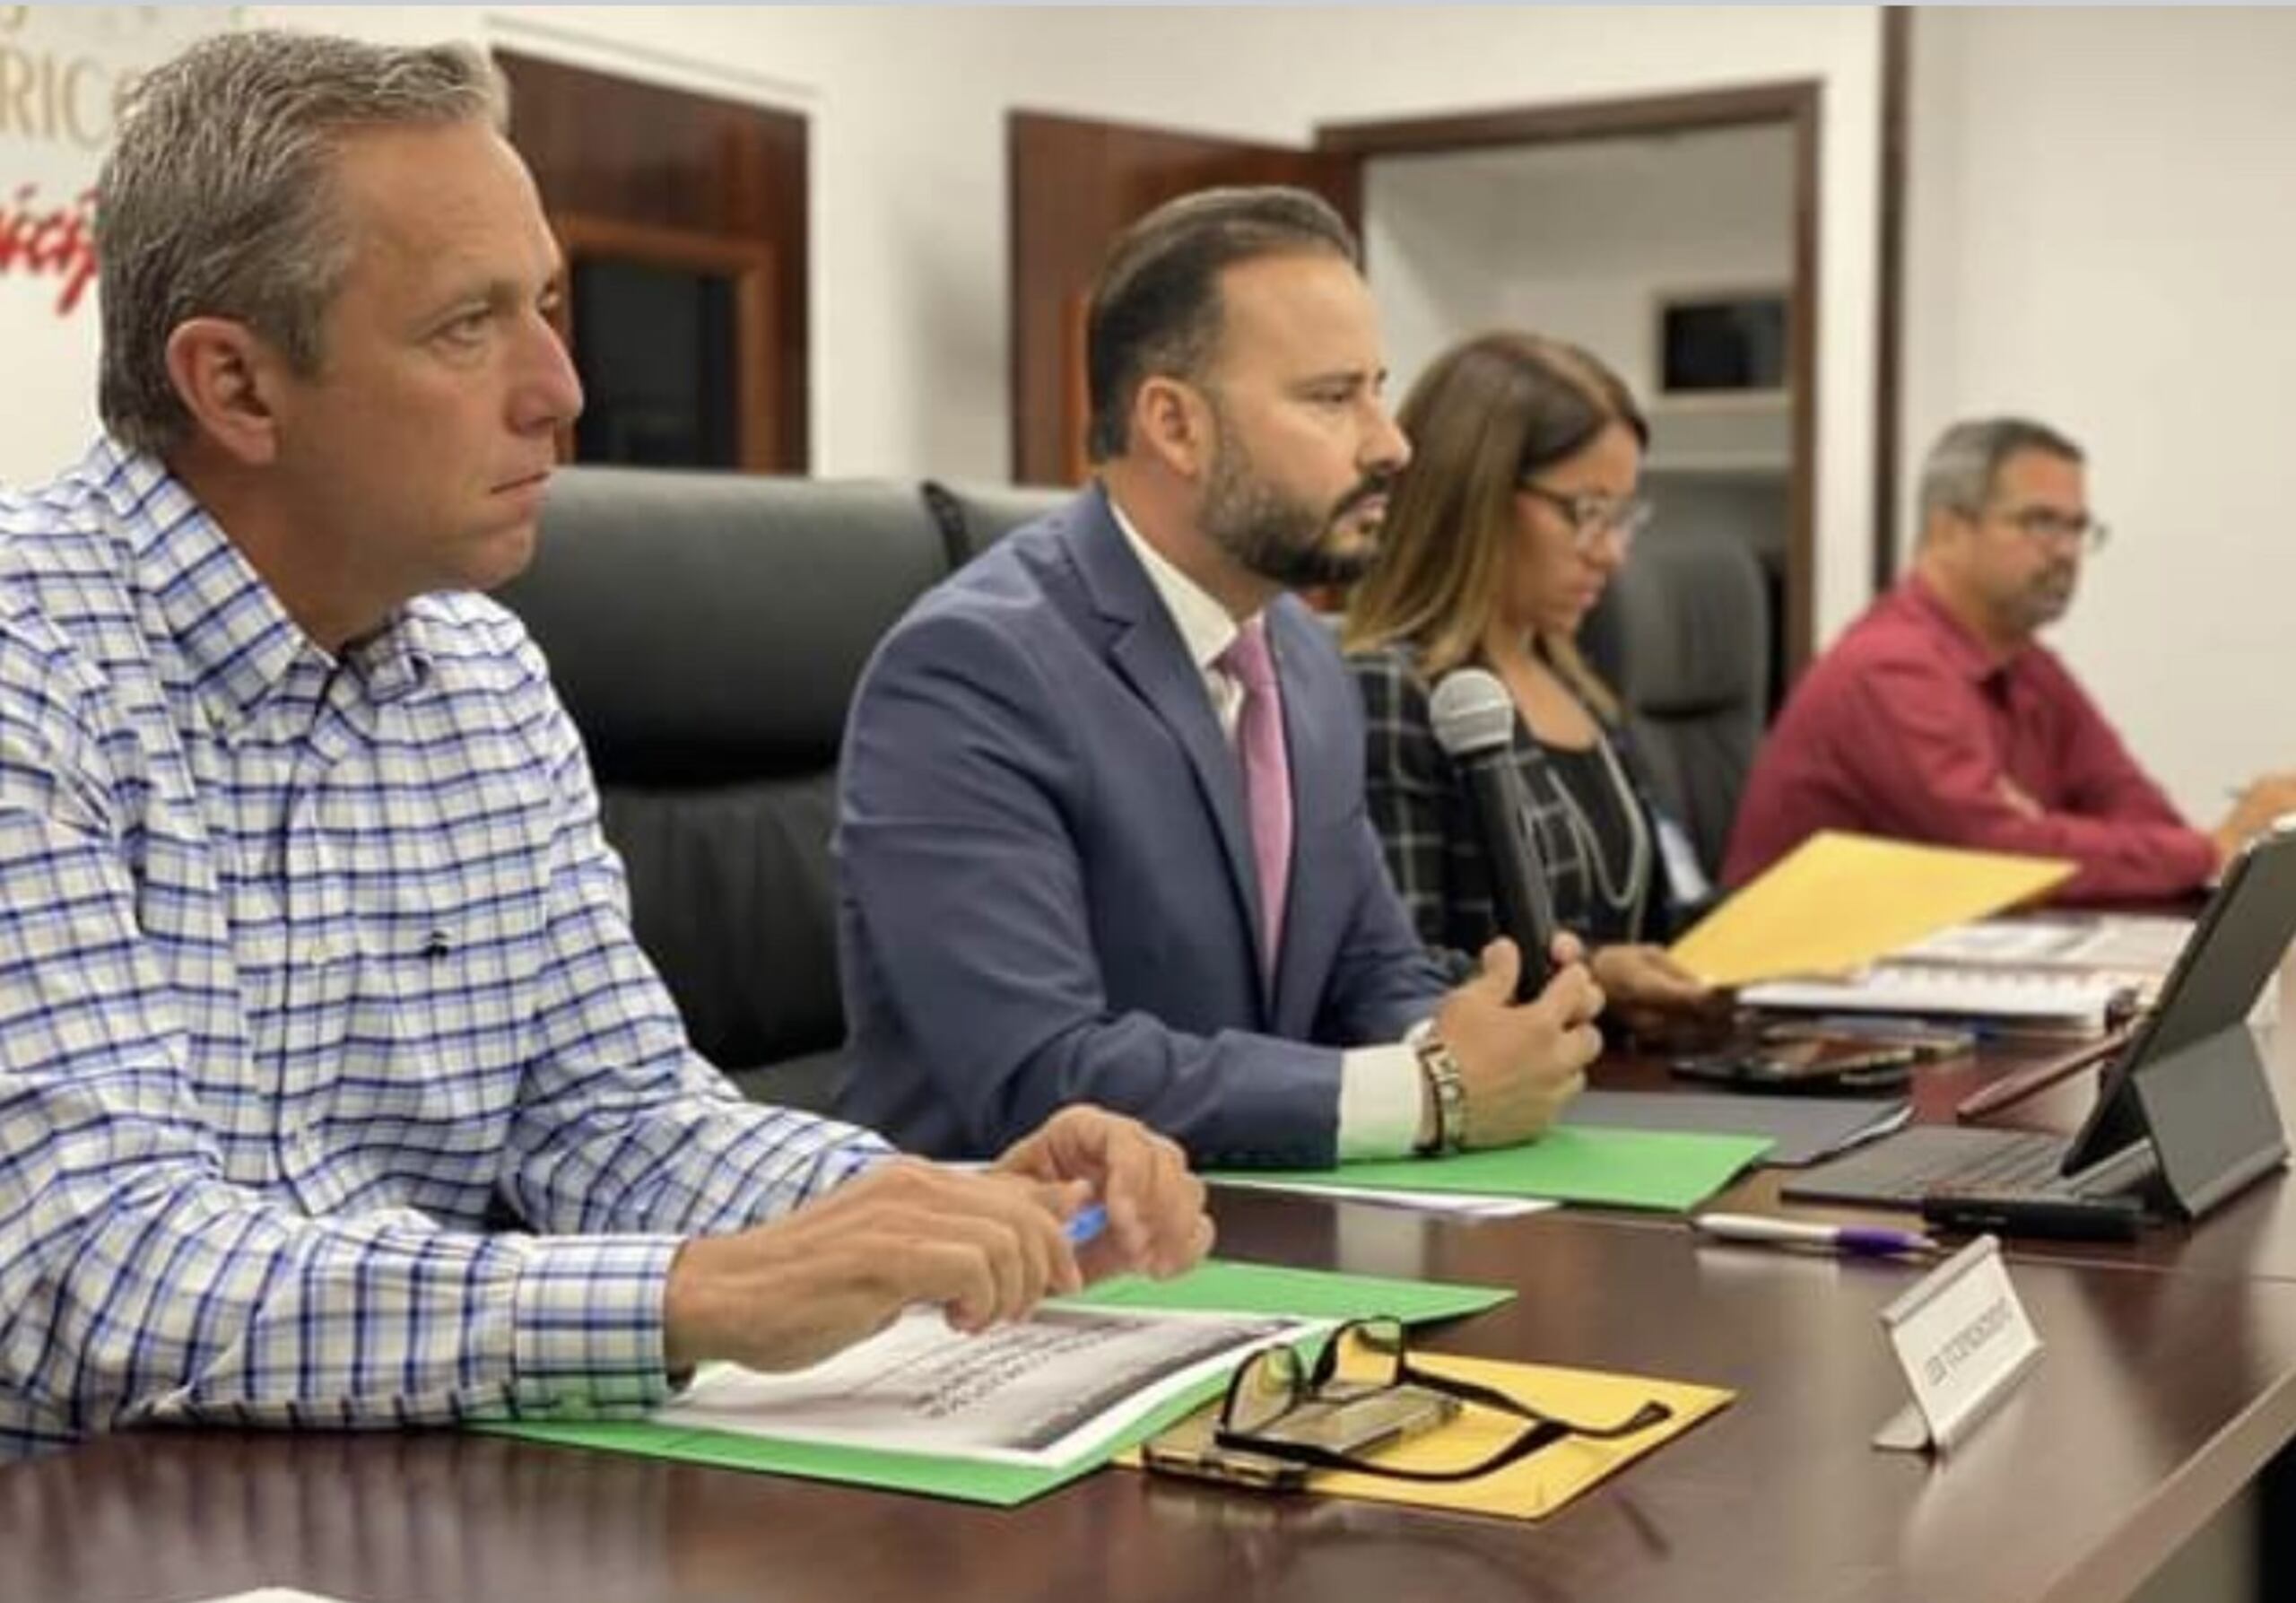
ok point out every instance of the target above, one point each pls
(1156, 1225)
(987, 1246)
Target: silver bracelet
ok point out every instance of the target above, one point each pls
(1441, 1067)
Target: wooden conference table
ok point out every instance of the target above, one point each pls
(2169, 1382)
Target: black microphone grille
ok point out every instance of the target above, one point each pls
(1472, 712)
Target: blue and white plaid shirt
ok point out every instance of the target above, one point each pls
(304, 960)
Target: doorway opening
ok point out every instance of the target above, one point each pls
(1673, 236)
(1668, 256)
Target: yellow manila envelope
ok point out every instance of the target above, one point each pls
(1838, 902)
(1533, 1487)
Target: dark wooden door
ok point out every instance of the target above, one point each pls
(1074, 186)
(683, 218)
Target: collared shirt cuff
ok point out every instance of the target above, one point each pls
(586, 1336)
(854, 1159)
(1381, 1091)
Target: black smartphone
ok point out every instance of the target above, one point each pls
(1816, 1064)
(1188, 1449)
(1974, 1211)
(1927, 1041)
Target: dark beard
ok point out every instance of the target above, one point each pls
(1280, 539)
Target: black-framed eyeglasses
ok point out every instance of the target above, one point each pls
(2057, 528)
(1593, 516)
(1365, 1357)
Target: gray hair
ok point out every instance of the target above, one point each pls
(1155, 311)
(1963, 467)
(218, 201)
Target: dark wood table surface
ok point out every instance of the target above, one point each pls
(2169, 1382)
(2158, 1397)
(2252, 1236)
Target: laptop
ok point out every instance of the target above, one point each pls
(2184, 1110)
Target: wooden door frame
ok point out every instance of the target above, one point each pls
(749, 265)
(1113, 172)
(734, 173)
(1889, 284)
(1797, 103)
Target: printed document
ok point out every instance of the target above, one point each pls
(1463, 1205)
(2056, 967)
(2119, 943)
(2026, 992)
(1043, 1392)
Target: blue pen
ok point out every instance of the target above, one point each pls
(1086, 1224)
(1857, 1240)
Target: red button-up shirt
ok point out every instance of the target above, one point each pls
(1912, 727)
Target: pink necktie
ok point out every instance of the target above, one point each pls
(1267, 776)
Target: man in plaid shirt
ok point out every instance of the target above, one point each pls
(310, 948)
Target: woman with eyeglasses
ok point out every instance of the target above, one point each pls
(1519, 505)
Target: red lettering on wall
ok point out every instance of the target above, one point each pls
(57, 241)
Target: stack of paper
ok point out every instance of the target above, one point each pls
(2023, 992)
(2058, 968)
(2130, 943)
(2129, 951)
(1043, 1392)
(1456, 1205)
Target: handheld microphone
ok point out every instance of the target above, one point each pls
(1475, 722)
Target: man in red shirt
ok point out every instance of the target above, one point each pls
(1936, 717)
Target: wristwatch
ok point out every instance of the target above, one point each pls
(1437, 1062)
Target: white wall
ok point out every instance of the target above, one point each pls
(908, 104)
(2102, 237)
(1578, 240)
(1436, 245)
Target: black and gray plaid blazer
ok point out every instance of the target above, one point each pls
(1419, 805)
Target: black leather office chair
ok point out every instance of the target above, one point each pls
(974, 516)
(706, 631)
(1684, 635)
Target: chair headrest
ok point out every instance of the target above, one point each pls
(975, 516)
(1691, 623)
(698, 621)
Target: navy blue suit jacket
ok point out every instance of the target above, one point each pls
(1046, 891)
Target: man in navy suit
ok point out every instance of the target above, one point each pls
(1101, 831)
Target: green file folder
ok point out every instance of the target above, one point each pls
(1648, 1169)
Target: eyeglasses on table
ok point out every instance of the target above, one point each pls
(1363, 1358)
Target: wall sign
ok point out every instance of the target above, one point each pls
(63, 71)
